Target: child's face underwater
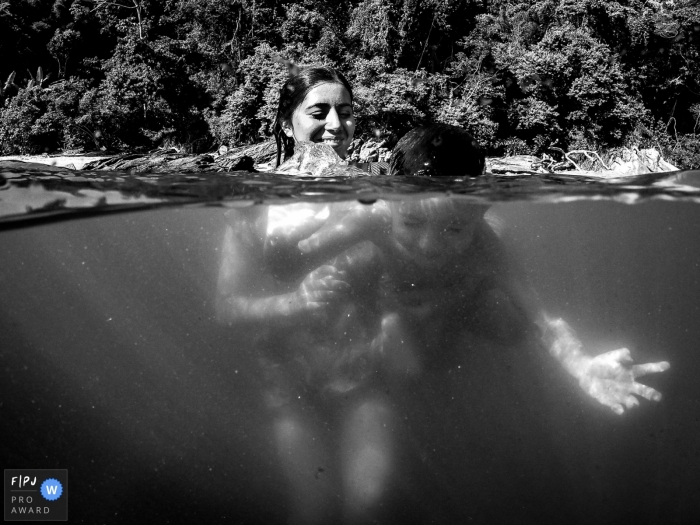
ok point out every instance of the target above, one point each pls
(435, 234)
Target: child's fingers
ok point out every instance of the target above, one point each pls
(621, 355)
(649, 368)
(646, 392)
(631, 402)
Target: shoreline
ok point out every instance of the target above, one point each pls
(74, 162)
(634, 162)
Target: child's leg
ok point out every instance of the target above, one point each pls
(303, 449)
(367, 458)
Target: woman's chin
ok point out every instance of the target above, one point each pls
(341, 150)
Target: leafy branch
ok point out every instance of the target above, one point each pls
(39, 79)
(137, 6)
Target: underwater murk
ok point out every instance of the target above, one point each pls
(117, 364)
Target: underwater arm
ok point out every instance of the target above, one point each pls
(610, 377)
(247, 292)
(316, 291)
(288, 225)
(349, 223)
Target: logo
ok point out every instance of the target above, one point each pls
(36, 495)
(51, 489)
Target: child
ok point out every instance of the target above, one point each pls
(429, 242)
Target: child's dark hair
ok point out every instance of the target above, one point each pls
(437, 150)
(293, 93)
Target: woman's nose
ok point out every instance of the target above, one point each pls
(333, 120)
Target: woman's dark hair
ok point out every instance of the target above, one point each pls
(437, 150)
(293, 93)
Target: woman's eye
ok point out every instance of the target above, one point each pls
(454, 230)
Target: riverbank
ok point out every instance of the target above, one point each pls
(631, 162)
(60, 160)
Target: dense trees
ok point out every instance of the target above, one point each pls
(522, 75)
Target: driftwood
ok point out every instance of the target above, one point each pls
(631, 162)
(590, 155)
(170, 161)
(514, 164)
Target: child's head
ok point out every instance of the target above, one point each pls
(437, 150)
(315, 106)
(435, 233)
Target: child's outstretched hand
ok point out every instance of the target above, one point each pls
(320, 289)
(611, 377)
(347, 225)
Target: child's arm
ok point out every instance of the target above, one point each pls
(610, 378)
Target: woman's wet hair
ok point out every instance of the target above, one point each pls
(437, 150)
(293, 93)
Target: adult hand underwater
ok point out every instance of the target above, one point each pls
(610, 378)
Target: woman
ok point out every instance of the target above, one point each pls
(315, 106)
(328, 434)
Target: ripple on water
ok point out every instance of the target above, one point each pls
(37, 195)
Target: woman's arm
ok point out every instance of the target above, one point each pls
(247, 292)
(316, 291)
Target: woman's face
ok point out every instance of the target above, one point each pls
(325, 115)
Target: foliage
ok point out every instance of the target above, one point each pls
(146, 97)
(37, 120)
(521, 75)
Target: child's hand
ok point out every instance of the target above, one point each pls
(347, 225)
(320, 288)
(610, 379)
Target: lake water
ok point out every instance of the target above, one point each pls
(116, 367)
